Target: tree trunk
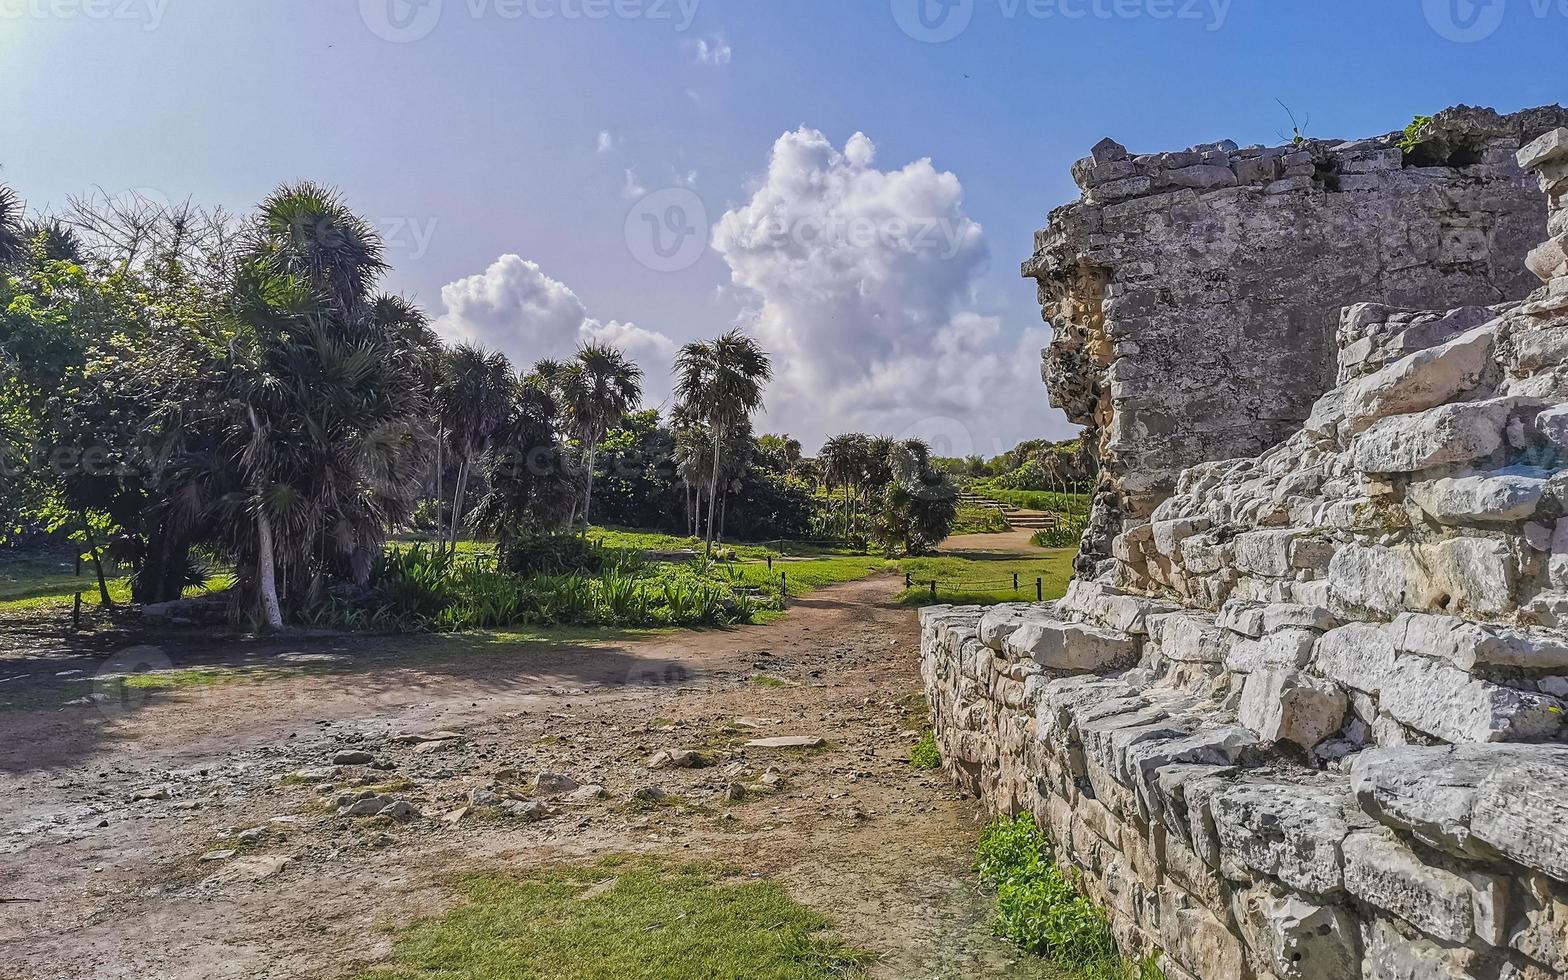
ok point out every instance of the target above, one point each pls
(457, 501)
(713, 487)
(266, 572)
(593, 452)
(724, 510)
(92, 549)
(440, 473)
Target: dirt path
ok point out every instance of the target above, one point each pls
(118, 887)
(1014, 542)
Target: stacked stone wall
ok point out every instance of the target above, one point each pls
(1308, 720)
(1193, 295)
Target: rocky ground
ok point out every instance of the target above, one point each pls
(284, 828)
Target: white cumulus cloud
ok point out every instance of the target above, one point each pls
(515, 308)
(862, 285)
(606, 141)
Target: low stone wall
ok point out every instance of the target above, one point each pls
(1308, 721)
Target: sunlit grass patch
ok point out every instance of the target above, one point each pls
(968, 581)
(621, 919)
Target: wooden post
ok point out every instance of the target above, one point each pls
(1039, 590)
(770, 563)
(1015, 581)
(933, 590)
(784, 584)
(76, 613)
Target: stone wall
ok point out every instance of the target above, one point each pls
(1308, 722)
(1193, 295)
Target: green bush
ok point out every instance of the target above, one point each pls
(1038, 907)
(925, 754)
(1066, 534)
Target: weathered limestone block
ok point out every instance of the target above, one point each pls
(1443, 904)
(1000, 621)
(1504, 496)
(1548, 148)
(1290, 706)
(1289, 832)
(1474, 575)
(1391, 955)
(1288, 648)
(1420, 381)
(1297, 939)
(1357, 655)
(1447, 703)
(1111, 608)
(1196, 939)
(1479, 802)
(1469, 645)
(1368, 579)
(1454, 433)
(1264, 552)
(1187, 637)
(1541, 926)
(1059, 645)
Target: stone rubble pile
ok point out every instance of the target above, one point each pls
(1307, 720)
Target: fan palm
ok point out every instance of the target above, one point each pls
(598, 388)
(13, 235)
(474, 404)
(721, 382)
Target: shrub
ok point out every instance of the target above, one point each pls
(551, 554)
(1038, 907)
(924, 754)
(1066, 534)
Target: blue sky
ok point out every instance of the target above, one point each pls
(527, 128)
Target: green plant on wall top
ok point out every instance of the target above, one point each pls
(1412, 137)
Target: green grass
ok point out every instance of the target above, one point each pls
(38, 582)
(630, 539)
(924, 754)
(979, 520)
(621, 919)
(1039, 908)
(968, 581)
(1072, 503)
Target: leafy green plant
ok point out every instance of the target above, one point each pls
(925, 754)
(1412, 138)
(1039, 908)
(1066, 534)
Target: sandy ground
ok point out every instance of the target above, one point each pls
(98, 883)
(1015, 542)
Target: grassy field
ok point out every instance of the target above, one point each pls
(979, 520)
(967, 581)
(621, 918)
(1071, 503)
(43, 581)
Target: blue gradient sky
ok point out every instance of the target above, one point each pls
(484, 134)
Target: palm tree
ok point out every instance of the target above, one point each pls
(840, 465)
(473, 405)
(13, 235)
(721, 382)
(598, 388)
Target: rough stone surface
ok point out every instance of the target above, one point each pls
(1307, 718)
(1219, 307)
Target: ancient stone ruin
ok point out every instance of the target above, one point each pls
(1307, 720)
(1194, 296)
